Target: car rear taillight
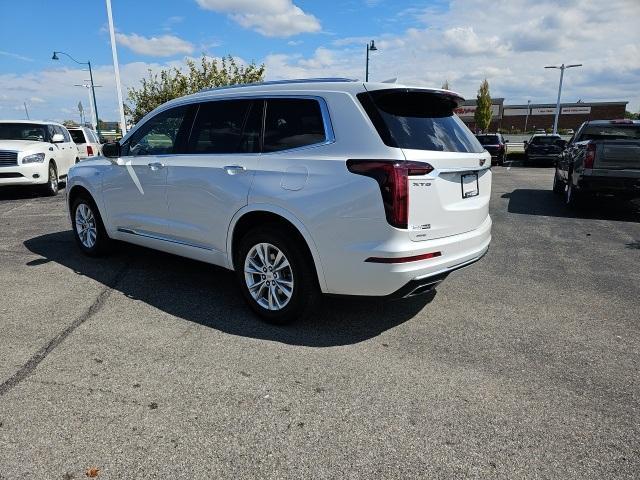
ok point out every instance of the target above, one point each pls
(393, 179)
(89, 150)
(590, 155)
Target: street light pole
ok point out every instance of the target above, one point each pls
(371, 47)
(93, 90)
(562, 68)
(526, 120)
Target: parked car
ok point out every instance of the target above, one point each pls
(300, 187)
(35, 153)
(543, 149)
(495, 144)
(602, 157)
(86, 140)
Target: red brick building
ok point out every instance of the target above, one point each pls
(541, 115)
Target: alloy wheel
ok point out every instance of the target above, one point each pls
(268, 276)
(86, 225)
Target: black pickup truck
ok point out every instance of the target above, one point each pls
(603, 156)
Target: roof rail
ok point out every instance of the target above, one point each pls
(283, 82)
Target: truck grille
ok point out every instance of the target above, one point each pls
(8, 159)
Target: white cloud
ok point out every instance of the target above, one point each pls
(162, 46)
(16, 56)
(465, 41)
(272, 18)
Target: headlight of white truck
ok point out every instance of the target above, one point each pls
(35, 158)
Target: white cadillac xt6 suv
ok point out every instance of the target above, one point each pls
(301, 187)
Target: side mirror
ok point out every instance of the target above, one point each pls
(525, 143)
(506, 141)
(57, 138)
(111, 149)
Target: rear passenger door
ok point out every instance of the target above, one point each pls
(209, 183)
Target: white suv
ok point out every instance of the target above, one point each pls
(35, 153)
(87, 142)
(300, 187)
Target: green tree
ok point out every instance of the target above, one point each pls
(171, 83)
(482, 115)
(445, 85)
(69, 123)
(631, 115)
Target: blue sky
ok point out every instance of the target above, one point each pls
(421, 42)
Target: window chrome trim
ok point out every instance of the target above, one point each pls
(329, 135)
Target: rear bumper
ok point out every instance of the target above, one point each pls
(548, 159)
(425, 284)
(347, 273)
(610, 184)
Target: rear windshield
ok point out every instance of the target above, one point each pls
(418, 120)
(547, 140)
(611, 132)
(78, 136)
(488, 139)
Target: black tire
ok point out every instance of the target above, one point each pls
(558, 185)
(52, 187)
(305, 290)
(102, 243)
(572, 197)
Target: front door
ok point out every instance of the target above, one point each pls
(135, 186)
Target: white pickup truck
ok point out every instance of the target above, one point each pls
(35, 153)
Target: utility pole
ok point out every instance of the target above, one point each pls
(94, 117)
(26, 111)
(562, 68)
(526, 120)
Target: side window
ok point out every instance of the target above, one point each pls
(51, 131)
(292, 123)
(159, 135)
(62, 131)
(218, 127)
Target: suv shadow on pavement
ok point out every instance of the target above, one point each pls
(209, 295)
(528, 201)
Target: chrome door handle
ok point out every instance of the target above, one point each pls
(156, 165)
(234, 169)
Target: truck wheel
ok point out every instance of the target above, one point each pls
(558, 185)
(571, 196)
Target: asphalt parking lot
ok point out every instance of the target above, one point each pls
(144, 365)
